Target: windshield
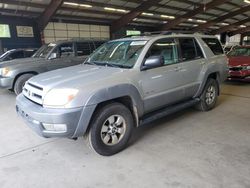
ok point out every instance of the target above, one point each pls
(240, 52)
(44, 50)
(117, 53)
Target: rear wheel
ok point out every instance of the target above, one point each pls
(18, 86)
(110, 129)
(209, 95)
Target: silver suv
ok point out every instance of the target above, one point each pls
(14, 74)
(124, 84)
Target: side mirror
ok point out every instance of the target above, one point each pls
(153, 62)
(52, 56)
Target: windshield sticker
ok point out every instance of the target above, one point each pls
(138, 43)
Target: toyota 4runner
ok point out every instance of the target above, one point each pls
(123, 84)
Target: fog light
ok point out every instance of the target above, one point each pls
(55, 127)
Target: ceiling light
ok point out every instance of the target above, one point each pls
(76, 4)
(195, 25)
(166, 16)
(86, 6)
(114, 9)
(121, 10)
(69, 3)
(224, 23)
(147, 14)
(243, 26)
(201, 21)
(108, 8)
(190, 20)
(247, 1)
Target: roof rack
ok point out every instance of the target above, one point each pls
(171, 32)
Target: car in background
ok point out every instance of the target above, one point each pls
(228, 48)
(17, 54)
(56, 55)
(239, 63)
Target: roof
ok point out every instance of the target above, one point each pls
(215, 16)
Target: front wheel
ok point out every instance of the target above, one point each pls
(209, 96)
(110, 129)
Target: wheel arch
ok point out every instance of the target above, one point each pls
(20, 74)
(125, 94)
(214, 75)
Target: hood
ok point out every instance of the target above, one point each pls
(79, 76)
(20, 62)
(239, 61)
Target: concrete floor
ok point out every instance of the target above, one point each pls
(188, 149)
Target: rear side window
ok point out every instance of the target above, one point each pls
(190, 49)
(29, 53)
(214, 45)
(16, 55)
(83, 48)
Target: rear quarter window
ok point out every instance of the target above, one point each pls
(214, 45)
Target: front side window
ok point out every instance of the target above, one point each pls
(167, 48)
(118, 53)
(214, 45)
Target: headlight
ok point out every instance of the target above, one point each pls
(248, 67)
(59, 97)
(5, 71)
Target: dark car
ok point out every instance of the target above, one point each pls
(17, 54)
(56, 55)
(239, 63)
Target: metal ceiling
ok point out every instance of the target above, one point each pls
(208, 15)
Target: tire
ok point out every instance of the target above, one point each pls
(110, 129)
(209, 96)
(18, 86)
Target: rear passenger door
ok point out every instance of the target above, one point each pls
(191, 63)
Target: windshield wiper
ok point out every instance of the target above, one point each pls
(89, 63)
(105, 63)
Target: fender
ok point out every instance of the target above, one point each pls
(204, 81)
(114, 92)
(107, 94)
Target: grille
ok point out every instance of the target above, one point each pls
(235, 68)
(33, 93)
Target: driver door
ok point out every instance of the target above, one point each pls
(163, 85)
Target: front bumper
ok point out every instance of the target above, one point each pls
(6, 82)
(35, 115)
(239, 75)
